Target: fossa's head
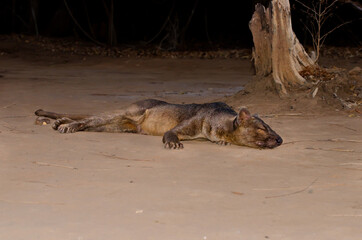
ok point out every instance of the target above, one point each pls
(253, 132)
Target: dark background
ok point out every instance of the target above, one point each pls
(169, 24)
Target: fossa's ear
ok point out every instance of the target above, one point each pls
(243, 116)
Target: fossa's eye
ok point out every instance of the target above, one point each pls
(261, 132)
(260, 127)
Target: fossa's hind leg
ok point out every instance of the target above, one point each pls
(70, 127)
(103, 123)
(61, 121)
(67, 125)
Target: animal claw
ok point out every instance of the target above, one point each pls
(57, 123)
(173, 145)
(223, 143)
(66, 128)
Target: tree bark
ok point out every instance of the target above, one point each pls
(277, 50)
(34, 8)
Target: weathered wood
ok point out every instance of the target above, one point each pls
(262, 41)
(277, 50)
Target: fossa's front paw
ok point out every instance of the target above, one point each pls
(171, 141)
(173, 145)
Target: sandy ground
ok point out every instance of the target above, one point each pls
(91, 186)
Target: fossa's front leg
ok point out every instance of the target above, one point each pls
(188, 129)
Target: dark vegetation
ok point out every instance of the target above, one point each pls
(188, 29)
(164, 24)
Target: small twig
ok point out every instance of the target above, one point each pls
(345, 103)
(355, 4)
(163, 26)
(189, 19)
(237, 193)
(20, 116)
(324, 36)
(341, 140)
(353, 169)
(7, 106)
(309, 8)
(206, 29)
(292, 142)
(345, 215)
(325, 140)
(123, 158)
(10, 128)
(292, 193)
(31, 202)
(351, 163)
(340, 125)
(331, 149)
(328, 8)
(284, 115)
(34, 18)
(79, 26)
(25, 23)
(298, 187)
(88, 19)
(53, 165)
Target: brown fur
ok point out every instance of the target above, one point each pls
(216, 122)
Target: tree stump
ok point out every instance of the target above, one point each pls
(277, 50)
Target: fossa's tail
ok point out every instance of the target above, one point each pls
(53, 115)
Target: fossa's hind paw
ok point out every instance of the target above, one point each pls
(61, 121)
(69, 128)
